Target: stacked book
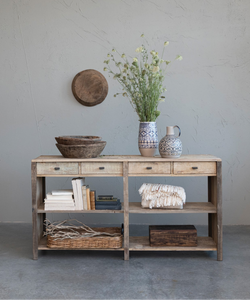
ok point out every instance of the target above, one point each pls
(59, 200)
(83, 196)
(107, 202)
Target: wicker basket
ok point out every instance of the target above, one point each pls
(98, 242)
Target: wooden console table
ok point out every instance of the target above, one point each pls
(129, 166)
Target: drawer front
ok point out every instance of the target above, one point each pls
(198, 168)
(99, 168)
(57, 168)
(149, 168)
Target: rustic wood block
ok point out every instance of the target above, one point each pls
(173, 235)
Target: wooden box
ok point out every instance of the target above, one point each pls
(172, 235)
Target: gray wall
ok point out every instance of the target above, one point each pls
(43, 44)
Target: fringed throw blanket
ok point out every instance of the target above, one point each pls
(162, 196)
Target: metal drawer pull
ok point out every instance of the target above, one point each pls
(56, 168)
(194, 168)
(101, 168)
(149, 168)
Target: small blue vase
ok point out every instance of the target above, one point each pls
(148, 138)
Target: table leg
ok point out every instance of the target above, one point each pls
(126, 211)
(215, 220)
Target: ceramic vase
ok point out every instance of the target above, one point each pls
(148, 138)
(171, 146)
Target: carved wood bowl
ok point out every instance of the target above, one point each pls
(82, 151)
(77, 139)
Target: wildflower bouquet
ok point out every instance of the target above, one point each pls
(141, 80)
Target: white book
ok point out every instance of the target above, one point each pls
(79, 184)
(59, 197)
(75, 191)
(59, 200)
(62, 192)
(84, 197)
(65, 203)
(58, 207)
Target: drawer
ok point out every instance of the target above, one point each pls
(99, 168)
(57, 169)
(149, 168)
(199, 168)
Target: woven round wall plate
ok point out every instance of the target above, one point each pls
(90, 87)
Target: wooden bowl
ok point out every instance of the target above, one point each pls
(82, 151)
(77, 139)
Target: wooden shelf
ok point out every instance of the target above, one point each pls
(141, 243)
(41, 210)
(189, 208)
(43, 246)
(135, 208)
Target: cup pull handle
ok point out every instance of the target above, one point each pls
(56, 168)
(149, 168)
(101, 168)
(194, 168)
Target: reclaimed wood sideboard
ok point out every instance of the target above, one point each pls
(131, 166)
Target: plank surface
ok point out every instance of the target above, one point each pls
(141, 243)
(98, 211)
(189, 208)
(121, 158)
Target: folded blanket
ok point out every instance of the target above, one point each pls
(162, 196)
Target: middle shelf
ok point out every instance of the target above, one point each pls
(135, 208)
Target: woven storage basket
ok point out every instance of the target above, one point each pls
(99, 242)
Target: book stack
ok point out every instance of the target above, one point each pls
(83, 195)
(59, 200)
(107, 202)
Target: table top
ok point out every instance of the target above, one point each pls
(127, 158)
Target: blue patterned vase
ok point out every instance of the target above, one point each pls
(170, 146)
(148, 138)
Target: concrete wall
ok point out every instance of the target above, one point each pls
(43, 44)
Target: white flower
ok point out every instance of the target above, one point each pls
(135, 59)
(139, 50)
(179, 57)
(166, 43)
(155, 69)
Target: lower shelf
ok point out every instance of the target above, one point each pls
(141, 243)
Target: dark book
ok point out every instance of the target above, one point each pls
(107, 202)
(105, 197)
(102, 200)
(109, 207)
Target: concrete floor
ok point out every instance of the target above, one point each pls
(105, 275)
